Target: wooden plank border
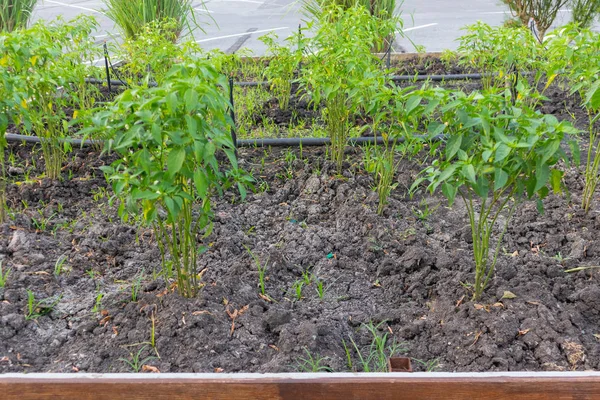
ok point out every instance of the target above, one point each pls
(322, 386)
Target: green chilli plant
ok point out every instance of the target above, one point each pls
(283, 63)
(131, 16)
(585, 75)
(578, 53)
(495, 157)
(503, 55)
(398, 114)
(15, 14)
(341, 72)
(169, 138)
(42, 69)
(380, 9)
(153, 51)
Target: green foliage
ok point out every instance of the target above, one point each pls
(503, 54)
(4, 275)
(39, 308)
(312, 363)
(577, 54)
(283, 63)
(131, 16)
(497, 154)
(15, 14)
(397, 113)
(584, 12)
(152, 53)
(379, 9)
(42, 74)
(543, 11)
(168, 138)
(374, 358)
(342, 72)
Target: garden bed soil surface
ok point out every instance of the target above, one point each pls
(395, 268)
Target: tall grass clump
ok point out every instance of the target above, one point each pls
(132, 15)
(15, 14)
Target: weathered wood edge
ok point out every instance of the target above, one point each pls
(520, 385)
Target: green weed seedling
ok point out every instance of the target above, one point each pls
(319, 287)
(262, 271)
(312, 363)
(39, 308)
(297, 287)
(4, 275)
(423, 212)
(58, 266)
(430, 365)
(135, 361)
(135, 286)
(41, 223)
(98, 303)
(375, 357)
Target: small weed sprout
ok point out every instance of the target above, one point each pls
(58, 266)
(423, 212)
(4, 275)
(312, 363)
(375, 357)
(98, 303)
(262, 271)
(319, 287)
(297, 286)
(39, 308)
(135, 286)
(135, 361)
(430, 365)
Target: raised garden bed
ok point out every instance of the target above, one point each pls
(315, 269)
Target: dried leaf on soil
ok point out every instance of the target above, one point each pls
(150, 368)
(508, 295)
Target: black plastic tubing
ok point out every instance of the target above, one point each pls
(274, 142)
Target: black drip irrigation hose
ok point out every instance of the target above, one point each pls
(273, 142)
(394, 78)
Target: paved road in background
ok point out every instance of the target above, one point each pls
(236, 24)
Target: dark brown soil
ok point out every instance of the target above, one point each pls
(395, 268)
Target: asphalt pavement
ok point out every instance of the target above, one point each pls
(232, 25)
